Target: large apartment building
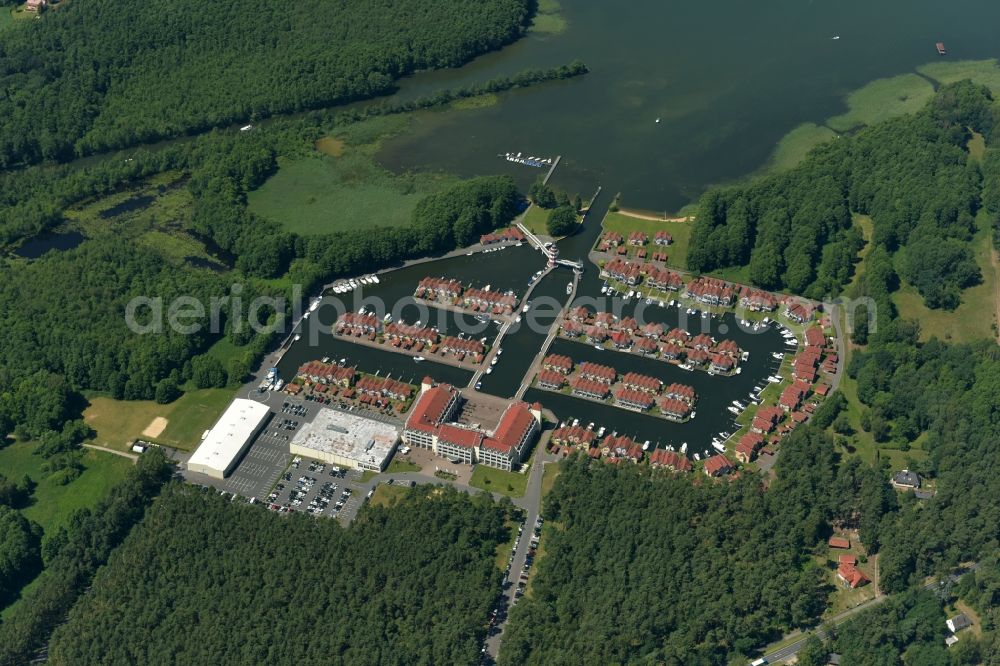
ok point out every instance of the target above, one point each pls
(431, 425)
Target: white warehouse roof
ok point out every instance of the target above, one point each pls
(228, 438)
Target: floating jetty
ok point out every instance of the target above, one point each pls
(532, 161)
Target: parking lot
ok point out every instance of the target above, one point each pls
(315, 488)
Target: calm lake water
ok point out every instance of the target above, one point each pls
(727, 78)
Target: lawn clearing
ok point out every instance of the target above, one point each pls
(549, 474)
(795, 145)
(52, 502)
(883, 99)
(975, 317)
(676, 251)
(386, 495)
(119, 422)
(402, 465)
(985, 72)
(512, 484)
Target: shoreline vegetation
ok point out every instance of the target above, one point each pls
(876, 101)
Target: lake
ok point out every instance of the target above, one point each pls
(727, 79)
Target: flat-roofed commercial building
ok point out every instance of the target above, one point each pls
(229, 438)
(346, 439)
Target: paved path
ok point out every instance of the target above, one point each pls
(131, 456)
(531, 503)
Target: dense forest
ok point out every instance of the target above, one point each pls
(911, 174)
(663, 570)
(72, 556)
(204, 580)
(99, 75)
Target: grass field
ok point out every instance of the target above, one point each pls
(986, 72)
(53, 503)
(795, 145)
(550, 473)
(882, 99)
(512, 484)
(974, 319)
(118, 422)
(535, 219)
(340, 186)
(387, 495)
(401, 465)
(681, 231)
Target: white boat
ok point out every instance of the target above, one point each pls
(697, 457)
(314, 305)
(604, 289)
(721, 448)
(686, 366)
(418, 359)
(645, 445)
(690, 311)
(733, 410)
(526, 306)
(774, 379)
(278, 385)
(499, 351)
(745, 356)
(598, 347)
(662, 304)
(353, 284)
(600, 431)
(305, 316)
(740, 405)
(658, 120)
(649, 301)
(778, 355)
(569, 288)
(375, 279)
(494, 361)
(489, 369)
(298, 337)
(343, 361)
(684, 447)
(576, 422)
(387, 319)
(517, 319)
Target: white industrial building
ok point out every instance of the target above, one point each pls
(226, 442)
(346, 439)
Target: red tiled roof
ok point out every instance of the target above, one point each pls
(430, 407)
(838, 542)
(464, 437)
(515, 422)
(717, 465)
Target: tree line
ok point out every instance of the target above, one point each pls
(203, 579)
(794, 231)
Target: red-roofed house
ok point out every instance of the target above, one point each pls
(748, 446)
(638, 401)
(670, 460)
(839, 542)
(634, 380)
(851, 576)
(717, 466)
(815, 337)
(663, 238)
(590, 388)
(675, 410)
(563, 364)
(551, 380)
(597, 372)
